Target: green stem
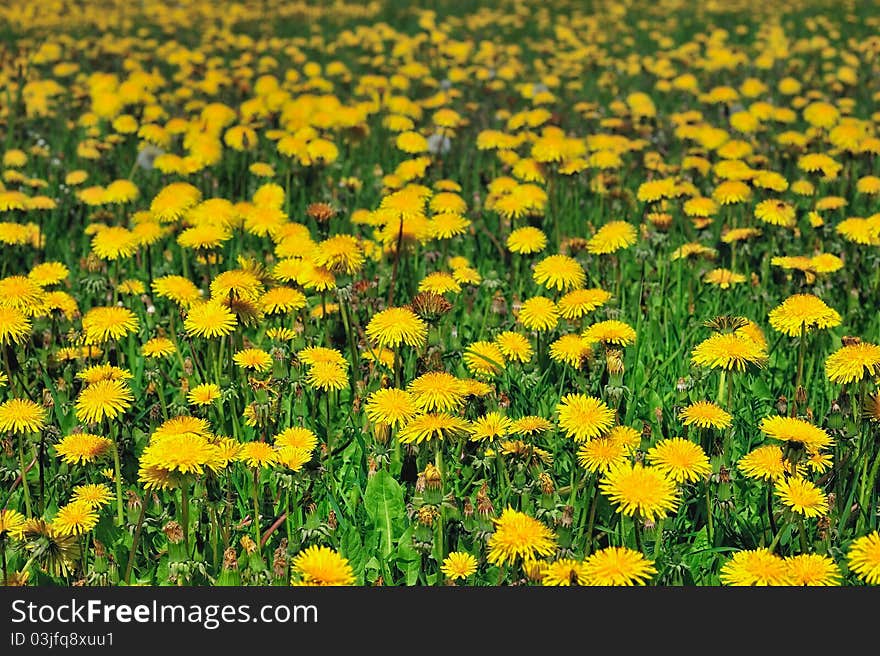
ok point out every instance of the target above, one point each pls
(440, 530)
(134, 541)
(256, 520)
(184, 514)
(117, 476)
(710, 527)
(24, 483)
(588, 547)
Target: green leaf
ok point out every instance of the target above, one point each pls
(383, 502)
(412, 572)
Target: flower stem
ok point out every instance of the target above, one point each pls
(117, 476)
(256, 520)
(184, 515)
(134, 541)
(24, 483)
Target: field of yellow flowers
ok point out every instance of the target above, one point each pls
(521, 293)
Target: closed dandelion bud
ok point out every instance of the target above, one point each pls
(248, 544)
(800, 395)
(279, 560)
(723, 474)
(230, 559)
(184, 386)
(432, 477)
(782, 405)
(658, 414)
(468, 509)
(372, 467)
(499, 304)
(173, 531)
(426, 515)
(646, 430)
(872, 407)
(808, 413)
(93, 263)
(188, 366)
(321, 212)
(155, 412)
(381, 432)
(332, 523)
(567, 517)
(48, 400)
(533, 570)
(151, 388)
(430, 307)
(484, 504)
(614, 361)
(822, 525)
(546, 483)
(133, 501)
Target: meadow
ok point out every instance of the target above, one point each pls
(481, 294)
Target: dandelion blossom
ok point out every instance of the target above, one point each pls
(802, 496)
(705, 414)
(635, 488)
(812, 570)
(321, 566)
(21, 416)
(681, 460)
(459, 565)
(104, 399)
(729, 351)
(853, 362)
(584, 417)
(395, 326)
(518, 536)
(793, 429)
(802, 313)
(617, 566)
(756, 567)
(864, 557)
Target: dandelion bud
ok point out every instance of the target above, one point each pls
(133, 501)
(546, 483)
(321, 212)
(484, 504)
(230, 559)
(279, 560)
(188, 366)
(533, 570)
(782, 405)
(499, 304)
(614, 361)
(430, 307)
(800, 395)
(567, 517)
(248, 544)
(332, 523)
(432, 477)
(468, 509)
(173, 531)
(427, 515)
